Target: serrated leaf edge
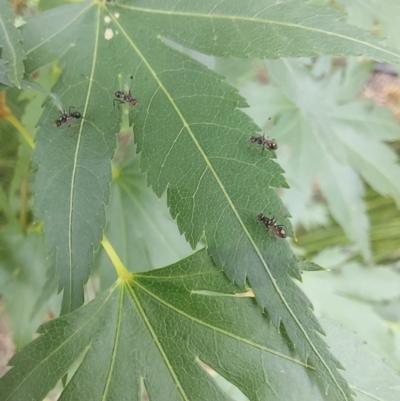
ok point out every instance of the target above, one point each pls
(187, 127)
(112, 289)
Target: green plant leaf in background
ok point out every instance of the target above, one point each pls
(385, 227)
(350, 293)
(367, 373)
(23, 268)
(10, 44)
(325, 136)
(13, 108)
(366, 13)
(138, 223)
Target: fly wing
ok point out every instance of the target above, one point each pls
(57, 102)
(128, 83)
(268, 126)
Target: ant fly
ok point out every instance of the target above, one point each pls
(264, 141)
(125, 97)
(277, 230)
(67, 117)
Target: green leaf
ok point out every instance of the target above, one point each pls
(23, 267)
(367, 13)
(289, 29)
(217, 192)
(59, 30)
(253, 29)
(324, 135)
(367, 373)
(10, 44)
(5, 207)
(388, 309)
(374, 161)
(309, 156)
(9, 145)
(72, 184)
(138, 223)
(344, 191)
(376, 123)
(306, 265)
(349, 294)
(193, 141)
(25, 84)
(175, 321)
(385, 226)
(156, 333)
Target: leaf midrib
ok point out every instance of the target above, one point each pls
(264, 21)
(367, 393)
(230, 203)
(75, 163)
(115, 347)
(157, 343)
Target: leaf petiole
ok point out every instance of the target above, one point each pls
(123, 273)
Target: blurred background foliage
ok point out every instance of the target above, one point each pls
(336, 122)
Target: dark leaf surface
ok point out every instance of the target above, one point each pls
(164, 329)
(193, 140)
(159, 332)
(72, 185)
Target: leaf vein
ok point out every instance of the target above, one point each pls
(50, 37)
(75, 163)
(115, 348)
(264, 21)
(217, 329)
(230, 203)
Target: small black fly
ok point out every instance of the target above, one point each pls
(66, 118)
(126, 96)
(271, 224)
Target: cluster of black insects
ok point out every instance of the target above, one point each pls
(127, 98)
(120, 98)
(270, 223)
